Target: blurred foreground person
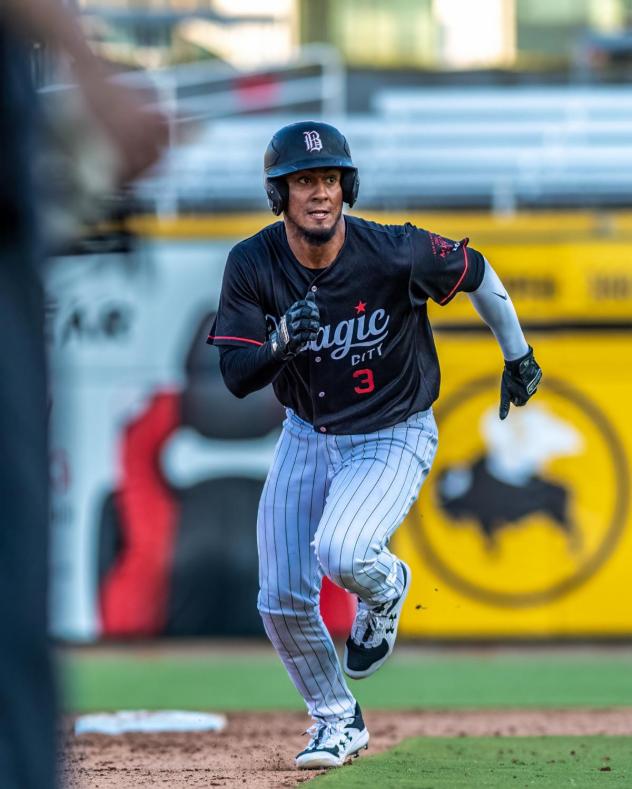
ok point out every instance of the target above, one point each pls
(27, 694)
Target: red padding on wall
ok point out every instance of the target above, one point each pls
(134, 593)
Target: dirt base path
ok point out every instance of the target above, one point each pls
(257, 750)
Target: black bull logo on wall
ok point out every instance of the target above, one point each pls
(524, 476)
(506, 484)
(494, 504)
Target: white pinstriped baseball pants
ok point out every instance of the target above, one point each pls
(329, 506)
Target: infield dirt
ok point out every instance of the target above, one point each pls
(257, 749)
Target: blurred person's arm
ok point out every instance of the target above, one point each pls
(138, 134)
(50, 21)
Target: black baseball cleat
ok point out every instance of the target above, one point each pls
(335, 743)
(373, 634)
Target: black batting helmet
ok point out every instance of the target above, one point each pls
(306, 146)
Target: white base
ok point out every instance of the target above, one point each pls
(142, 721)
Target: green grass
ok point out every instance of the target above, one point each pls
(442, 681)
(492, 763)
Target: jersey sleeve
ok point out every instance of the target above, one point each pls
(240, 320)
(441, 268)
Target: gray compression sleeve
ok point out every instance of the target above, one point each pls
(493, 304)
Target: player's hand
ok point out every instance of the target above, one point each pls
(297, 327)
(519, 381)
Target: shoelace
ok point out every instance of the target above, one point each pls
(326, 735)
(368, 620)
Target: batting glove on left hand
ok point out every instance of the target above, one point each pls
(519, 382)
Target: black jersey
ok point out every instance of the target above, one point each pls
(373, 362)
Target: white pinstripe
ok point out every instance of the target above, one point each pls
(330, 504)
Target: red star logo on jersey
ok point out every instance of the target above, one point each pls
(360, 307)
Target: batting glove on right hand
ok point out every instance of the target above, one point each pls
(519, 382)
(297, 327)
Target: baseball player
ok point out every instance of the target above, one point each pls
(331, 310)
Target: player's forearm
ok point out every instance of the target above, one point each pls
(246, 370)
(494, 305)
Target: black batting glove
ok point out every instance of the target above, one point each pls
(519, 382)
(297, 327)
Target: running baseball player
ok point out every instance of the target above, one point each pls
(331, 309)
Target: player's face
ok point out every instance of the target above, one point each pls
(315, 203)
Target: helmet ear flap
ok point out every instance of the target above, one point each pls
(278, 193)
(350, 182)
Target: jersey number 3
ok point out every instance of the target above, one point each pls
(366, 383)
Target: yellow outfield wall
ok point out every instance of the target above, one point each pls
(523, 528)
(477, 225)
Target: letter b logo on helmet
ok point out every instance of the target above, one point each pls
(306, 146)
(312, 140)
